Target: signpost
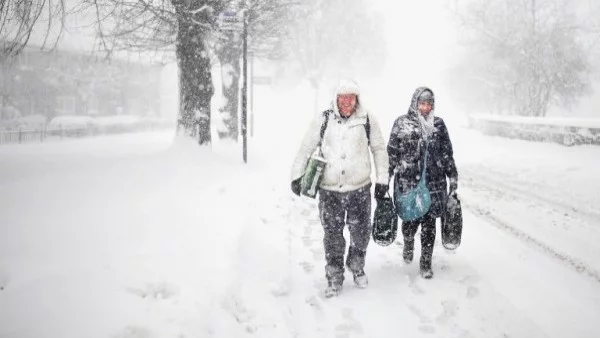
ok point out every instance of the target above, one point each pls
(230, 20)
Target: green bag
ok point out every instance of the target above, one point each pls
(315, 167)
(313, 174)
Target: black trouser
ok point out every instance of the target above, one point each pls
(337, 209)
(409, 229)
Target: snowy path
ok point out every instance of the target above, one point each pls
(177, 242)
(495, 286)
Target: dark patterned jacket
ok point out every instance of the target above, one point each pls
(406, 150)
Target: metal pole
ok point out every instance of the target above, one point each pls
(245, 87)
(251, 94)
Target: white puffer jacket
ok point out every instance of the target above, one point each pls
(346, 149)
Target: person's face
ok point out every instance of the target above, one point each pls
(424, 108)
(346, 104)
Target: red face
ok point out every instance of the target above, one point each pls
(346, 104)
(424, 108)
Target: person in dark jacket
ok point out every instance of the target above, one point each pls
(406, 150)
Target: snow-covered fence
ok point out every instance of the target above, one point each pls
(40, 135)
(59, 129)
(566, 131)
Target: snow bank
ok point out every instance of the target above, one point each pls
(566, 131)
(71, 122)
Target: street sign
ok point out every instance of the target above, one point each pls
(231, 21)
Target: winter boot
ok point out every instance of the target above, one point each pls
(360, 279)
(409, 247)
(426, 271)
(333, 289)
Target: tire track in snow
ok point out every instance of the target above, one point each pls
(574, 263)
(492, 182)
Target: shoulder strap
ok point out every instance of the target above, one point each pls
(368, 129)
(424, 173)
(324, 125)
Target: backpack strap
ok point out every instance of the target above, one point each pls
(368, 130)
(324, 125)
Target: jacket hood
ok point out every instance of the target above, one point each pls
(415, 98)
(346, 87)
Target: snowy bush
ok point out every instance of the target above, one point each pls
(71, 125)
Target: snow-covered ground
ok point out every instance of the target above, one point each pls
(147, 235)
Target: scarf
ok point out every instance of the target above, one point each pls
(426, 124)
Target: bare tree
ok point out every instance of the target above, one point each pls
(191, 26)
(335, 38)
(522, 55)
(18, 18)
(175, 27)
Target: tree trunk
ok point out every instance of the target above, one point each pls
(229, 56)
(195, 80)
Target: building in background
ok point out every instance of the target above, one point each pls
(66, 83)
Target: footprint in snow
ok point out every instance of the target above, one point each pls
(349, 325)
(154, 291)
(133, 332)
(318, 253)
(412, 283)
(425, 326)
(472, 292)
(469, 281)
(307, 266)
(450, 309)
(315, 302)
(282, 288)
(427, 329)
(235, 306)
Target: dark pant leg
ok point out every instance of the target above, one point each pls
(427, 239)
(332, 216)
(359, 226)
(409, 229)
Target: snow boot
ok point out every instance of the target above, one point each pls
(333, 289)
(409, 248)
(426, 271)
(360, 279)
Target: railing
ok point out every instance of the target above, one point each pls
(565, 131)
(41, 135)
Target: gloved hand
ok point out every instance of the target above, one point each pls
(380, 191)
(453, 188)
(391, 171)
(296, 186)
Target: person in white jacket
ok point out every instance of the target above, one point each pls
(350, 135)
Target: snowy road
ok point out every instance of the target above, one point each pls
(153, 240)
